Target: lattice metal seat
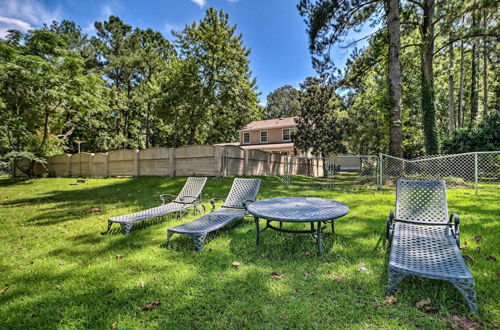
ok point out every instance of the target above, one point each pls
(187, 198)
(424, 242)
(242, 192)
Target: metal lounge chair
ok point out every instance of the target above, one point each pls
(243, 191)
(187, 198)
(424, 241)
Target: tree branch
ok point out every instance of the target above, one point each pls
(459, 38)
(421, 5)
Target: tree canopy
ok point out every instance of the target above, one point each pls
(124, 87)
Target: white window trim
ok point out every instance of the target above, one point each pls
(243, 138)
(267, 136)
(289, 134)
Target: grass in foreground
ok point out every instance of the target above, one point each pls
(62, 272)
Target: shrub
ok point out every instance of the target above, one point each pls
(23, 161)
(483, 137)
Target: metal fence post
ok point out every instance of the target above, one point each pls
(380, 169)
(475, 171)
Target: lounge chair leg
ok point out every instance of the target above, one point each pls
(199, 239)
(126, 228)
(395, 277)
(109, 226)
(468, 290)
(318, 239)
(169, 235)
(333, 226)
(257, 231)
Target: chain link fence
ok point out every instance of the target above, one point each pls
(458, 170)
(334, 171)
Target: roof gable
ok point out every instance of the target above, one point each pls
(269, 123)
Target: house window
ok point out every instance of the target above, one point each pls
(286, 134)
(246, 138)
(263, 136)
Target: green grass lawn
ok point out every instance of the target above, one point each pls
(62, 272)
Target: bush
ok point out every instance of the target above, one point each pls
(483, 137)
(23, 161)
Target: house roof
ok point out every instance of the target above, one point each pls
(259, 146)
(269, 123)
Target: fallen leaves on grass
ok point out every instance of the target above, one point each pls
(491, 258)
(390, 299)
(338, 278)
(276, 276)
(477, 239)
(61, 264)
(114, 325)
(426, 306)
(307, 254)
(119, 256)
(362, 268)
(466, 323)
(5, 289)
(235, 264)
(95, 209)
(464, 245)
(150, 306)
(142, 284)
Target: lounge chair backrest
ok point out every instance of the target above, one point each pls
(421, 201)
(242, 190)
(192, 187)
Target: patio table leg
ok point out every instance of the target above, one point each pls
(257, 231)
(318, 239)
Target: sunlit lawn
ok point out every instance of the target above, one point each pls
(62, 272)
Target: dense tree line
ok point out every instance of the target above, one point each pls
(429, 69)
(124, 87)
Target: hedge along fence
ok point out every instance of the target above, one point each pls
(197, 160)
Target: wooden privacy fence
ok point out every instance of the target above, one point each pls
(198, 160)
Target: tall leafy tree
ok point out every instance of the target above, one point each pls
(321, 122)
(155, 54)
(329, 21)
(283, 102)
(44, 88)
(116, 51)
(228, 91)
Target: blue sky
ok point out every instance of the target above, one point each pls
(273, 29)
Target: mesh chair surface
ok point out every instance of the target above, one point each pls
(187, 198)
(424, 242)
(242, 190)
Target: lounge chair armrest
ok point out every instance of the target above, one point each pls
(390, 225)
(213, 200)
(162, 197)
(193, 200)
(246, 203)
(456, 230)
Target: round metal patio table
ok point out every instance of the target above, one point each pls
(316, 211)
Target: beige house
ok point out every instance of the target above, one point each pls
(271, 135)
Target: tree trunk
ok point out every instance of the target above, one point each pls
(485, 70)
(394, 76)
(45, 131)
(461, 88)
(474, 97)
(451, 91)
(148, 111)
(427, 82)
